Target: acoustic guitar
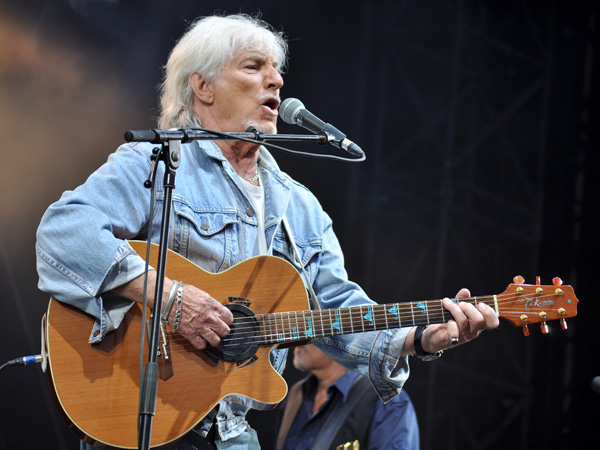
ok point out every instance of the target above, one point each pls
(96, 387)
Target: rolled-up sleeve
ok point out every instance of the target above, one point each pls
(82, 249)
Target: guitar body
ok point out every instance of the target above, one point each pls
(96, 387)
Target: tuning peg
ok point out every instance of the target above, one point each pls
(519, 280)
(525, 330)
(556, 281)
(544, 327)
(563, 324)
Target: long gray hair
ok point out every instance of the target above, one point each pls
(207, 47)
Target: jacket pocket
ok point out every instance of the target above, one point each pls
(205, 237)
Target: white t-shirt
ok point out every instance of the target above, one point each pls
(257, 198)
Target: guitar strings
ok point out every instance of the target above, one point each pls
(255, 329)
(379, 319)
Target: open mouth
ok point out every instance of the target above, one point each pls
(272, 103)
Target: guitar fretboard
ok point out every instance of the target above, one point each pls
(288, 327)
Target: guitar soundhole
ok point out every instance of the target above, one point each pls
(242, 341)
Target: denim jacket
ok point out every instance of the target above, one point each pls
(82, 249)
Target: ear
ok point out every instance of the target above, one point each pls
(202, 89)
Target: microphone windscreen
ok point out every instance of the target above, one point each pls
(289, 108)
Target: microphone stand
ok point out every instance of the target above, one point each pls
(170, 154)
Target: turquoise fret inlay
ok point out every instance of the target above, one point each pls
(295, 332)
(336, 324)
(309, 332)
(423, 307)
(394, 311)
(369, 316)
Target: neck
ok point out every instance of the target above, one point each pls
(325, 378)
(243, 157)
(328, 374)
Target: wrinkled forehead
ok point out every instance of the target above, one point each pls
(264, 50)
(260, 55)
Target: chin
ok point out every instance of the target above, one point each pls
(267, 128)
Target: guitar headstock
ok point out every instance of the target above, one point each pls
(526, 304)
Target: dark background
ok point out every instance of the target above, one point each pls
(480, 124)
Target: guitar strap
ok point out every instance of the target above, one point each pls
(313, 296)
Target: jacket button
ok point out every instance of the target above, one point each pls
(204, 227)
(250, 212)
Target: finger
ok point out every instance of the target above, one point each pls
(452, 330)
(223, 312)
(219, 327)
(489, 315)
(211, 337)
(198, 342)
(463, 293)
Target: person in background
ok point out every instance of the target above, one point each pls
(333, 407)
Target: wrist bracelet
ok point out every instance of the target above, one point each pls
(419, 352)
(169, 305)
(179, 311)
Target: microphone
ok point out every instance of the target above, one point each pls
(292, 111)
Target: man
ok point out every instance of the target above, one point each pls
(229, 204)
(333, 406)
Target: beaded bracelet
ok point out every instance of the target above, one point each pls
(179, 311)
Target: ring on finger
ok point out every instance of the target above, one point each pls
(453, 340)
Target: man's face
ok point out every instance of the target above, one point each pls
(246, 93)
(308, 358)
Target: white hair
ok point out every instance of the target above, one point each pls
(207, 47)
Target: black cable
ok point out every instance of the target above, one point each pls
(24, 361)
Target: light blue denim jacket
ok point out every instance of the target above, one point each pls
(82, 249)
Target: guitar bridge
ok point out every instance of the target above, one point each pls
(163, 359)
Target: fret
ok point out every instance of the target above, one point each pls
(351, 317)
(280, 328)
(443, 311)
(289, 327)
(295, 327)
(394, 311)
(412, 311)
(330, 324)
(301, 324)
(424, 309)
(320, 313)
(362, 322)
(267, 335)
(308, 326)
(337, 324)
(368, 318)
(385, 311)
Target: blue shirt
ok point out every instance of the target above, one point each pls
(393, 425)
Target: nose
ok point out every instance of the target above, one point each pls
(274, 80)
